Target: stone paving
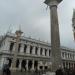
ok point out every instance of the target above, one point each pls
(25, 73)
(30, 73)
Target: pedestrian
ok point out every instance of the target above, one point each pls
(73, 71)
(59, 71)
(6, 70)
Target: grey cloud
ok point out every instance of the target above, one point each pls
(35, 19)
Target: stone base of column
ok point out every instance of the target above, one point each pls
(13, 69)
(50, 73)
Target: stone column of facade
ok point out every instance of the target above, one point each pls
(27, 65)
(28, 49)
(33, 65)
(33, 51)
(48, 52)
(7, 45)
(67, 55)
(2, 62)
(73, 64)
(68, 65)
(20, 62)
(43, 51)
(39, 51)
(22, 48)
(14, 47)
(55, 38)
(38, 66)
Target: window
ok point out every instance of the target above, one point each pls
(64, 64)
(45, 52)
(49, 52)
(68, 55)
(74, 27)
(25, 47)
(36, 50)
(63, 54)
(11, 46)
(19, 46)
(17, 63)
(31, 49)
(41, 50)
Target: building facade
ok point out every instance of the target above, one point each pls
(32, 54)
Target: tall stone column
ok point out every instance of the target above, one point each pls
(55, 39)
(18, 35)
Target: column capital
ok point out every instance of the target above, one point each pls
(52, 2)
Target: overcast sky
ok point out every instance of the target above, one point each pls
(35, 19)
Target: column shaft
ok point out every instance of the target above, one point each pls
(22, 48)
(20, 62)
(33, 51)
(55, 39)
(28, 49)
(39, 51)
(27, 65)
(33, 65)
(43, 51)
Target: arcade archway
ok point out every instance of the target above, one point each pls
(29, 65)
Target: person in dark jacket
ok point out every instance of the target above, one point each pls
(59, 71)
(6, 70)
(73, 71)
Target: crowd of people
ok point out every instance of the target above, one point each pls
(6, 70)
(65, 71)
(59, 71)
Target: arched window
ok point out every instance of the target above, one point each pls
(36, 50)
(19, 46)
(25, 47)
(11, 46)
(45, 52)
(41, 50)
(31, 47)
(17, 63)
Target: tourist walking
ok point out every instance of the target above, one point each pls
(59, 71)
(6, 70)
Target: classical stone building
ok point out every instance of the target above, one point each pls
(32, 53)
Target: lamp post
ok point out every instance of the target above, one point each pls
(55, 37)
(18, 35)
